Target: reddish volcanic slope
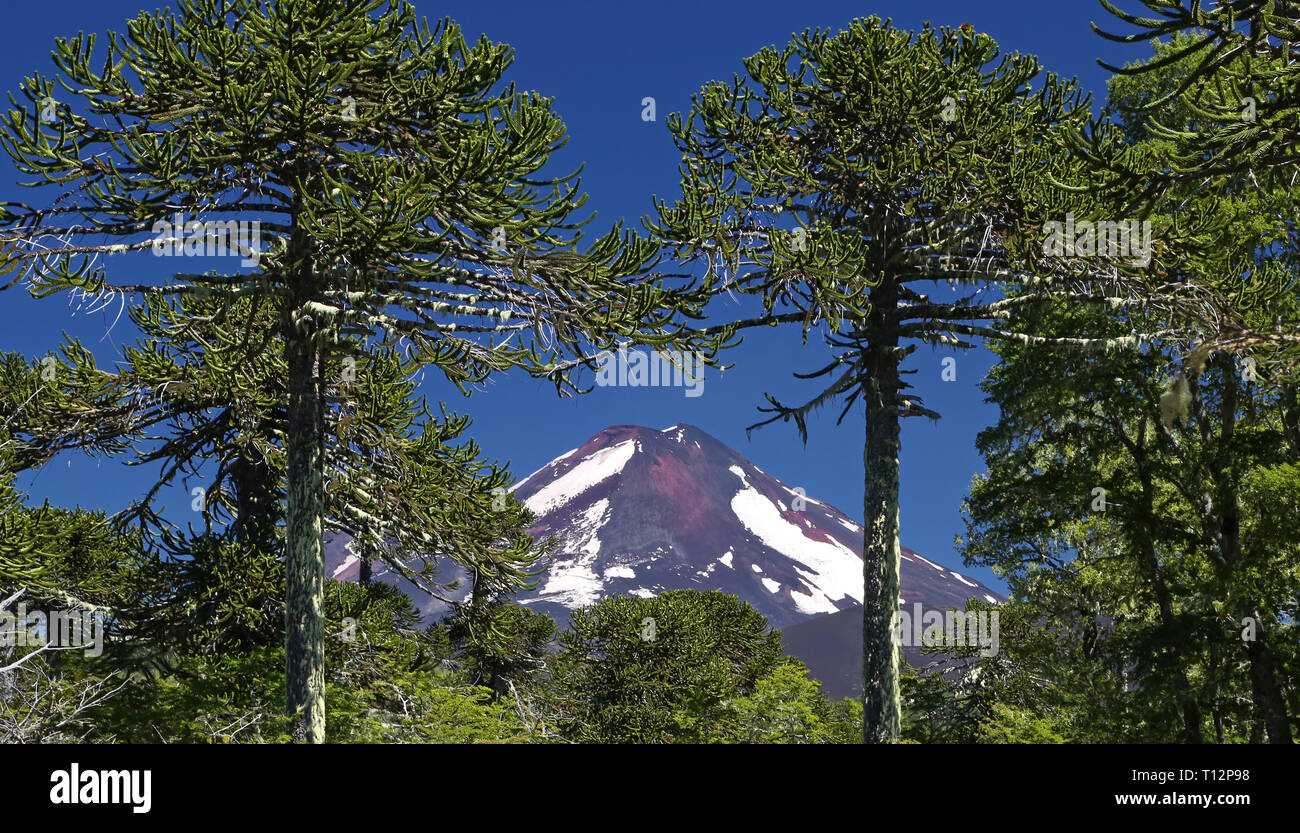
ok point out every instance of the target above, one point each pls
(643, 511)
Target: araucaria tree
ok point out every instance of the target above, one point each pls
(400, 189)
(1226, 108)
(189, 397)
(892, 188)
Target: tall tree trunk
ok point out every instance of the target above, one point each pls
(1225, 527)
(304, 552)
(1263, 679)
(881, 702)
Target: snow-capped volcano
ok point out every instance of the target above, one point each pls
(643, 511)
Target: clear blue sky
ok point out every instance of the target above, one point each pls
(599, 60)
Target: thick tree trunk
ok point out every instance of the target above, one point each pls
(304, 552)
(1263, 681)
(882, 706)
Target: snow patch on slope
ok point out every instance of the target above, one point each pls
(574, 583)
(598, 467)
(800, 495)
(927, 561)
(681, 432)
(347, 562)
(563, 456)
(835, 571)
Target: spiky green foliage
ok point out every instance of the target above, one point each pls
(1218, 102)
(387, 683)
(502, 645)
(385, 162)
(1236, 76)
(659, 670)
(686, 667)
(186, 395)
(885, 186)
(25, 536)
(36, 540)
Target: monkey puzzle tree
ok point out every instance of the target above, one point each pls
(403, 484)
(24, 533)
(893, 186)
(402, 190)
(1221, 96)
(189, 394)
(636, 670)
(1238, 78)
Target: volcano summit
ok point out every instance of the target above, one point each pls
(643, 511)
